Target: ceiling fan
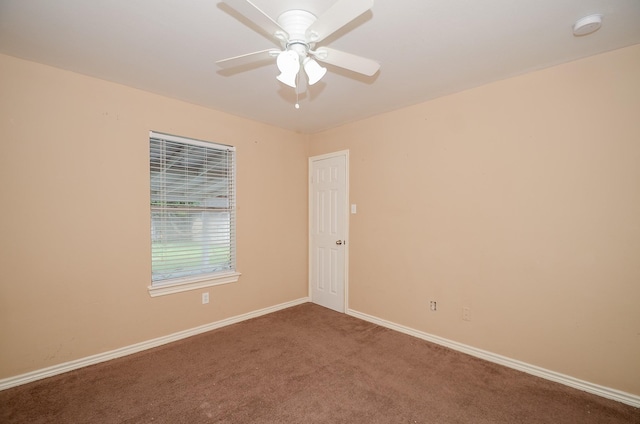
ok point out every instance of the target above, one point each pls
(297, 32)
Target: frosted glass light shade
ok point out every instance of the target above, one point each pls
(289, 79)
(314, 71)
(289, 65)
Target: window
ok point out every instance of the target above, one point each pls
(192, 214)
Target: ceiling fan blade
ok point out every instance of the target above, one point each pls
(257, 16)
(338, 15)
(246, 59)
(349, 61)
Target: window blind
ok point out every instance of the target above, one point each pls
(192, 209)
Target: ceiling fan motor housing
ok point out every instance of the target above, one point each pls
(296, 23)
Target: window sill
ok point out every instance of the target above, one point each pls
(193, 284)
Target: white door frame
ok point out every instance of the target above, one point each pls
(347, 243)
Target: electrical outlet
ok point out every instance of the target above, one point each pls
(433, 306)
(205, 298)
(466, 313)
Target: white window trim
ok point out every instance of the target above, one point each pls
(193, 283)
(178, 285)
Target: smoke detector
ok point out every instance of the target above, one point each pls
(587, 25)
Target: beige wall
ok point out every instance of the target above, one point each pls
(75, 243)
(519, 199)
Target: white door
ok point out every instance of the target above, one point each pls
(328, 229)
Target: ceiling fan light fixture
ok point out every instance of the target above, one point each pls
(314, 71)
(289, 65)
(297, 31)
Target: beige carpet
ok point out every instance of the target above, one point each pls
(305, 364)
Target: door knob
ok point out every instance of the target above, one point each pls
(339, 242)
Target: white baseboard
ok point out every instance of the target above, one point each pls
(586, 386)
(138, 347)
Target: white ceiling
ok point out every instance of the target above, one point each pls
(427, 49)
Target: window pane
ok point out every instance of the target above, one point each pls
(192, 209)
(188, 243)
